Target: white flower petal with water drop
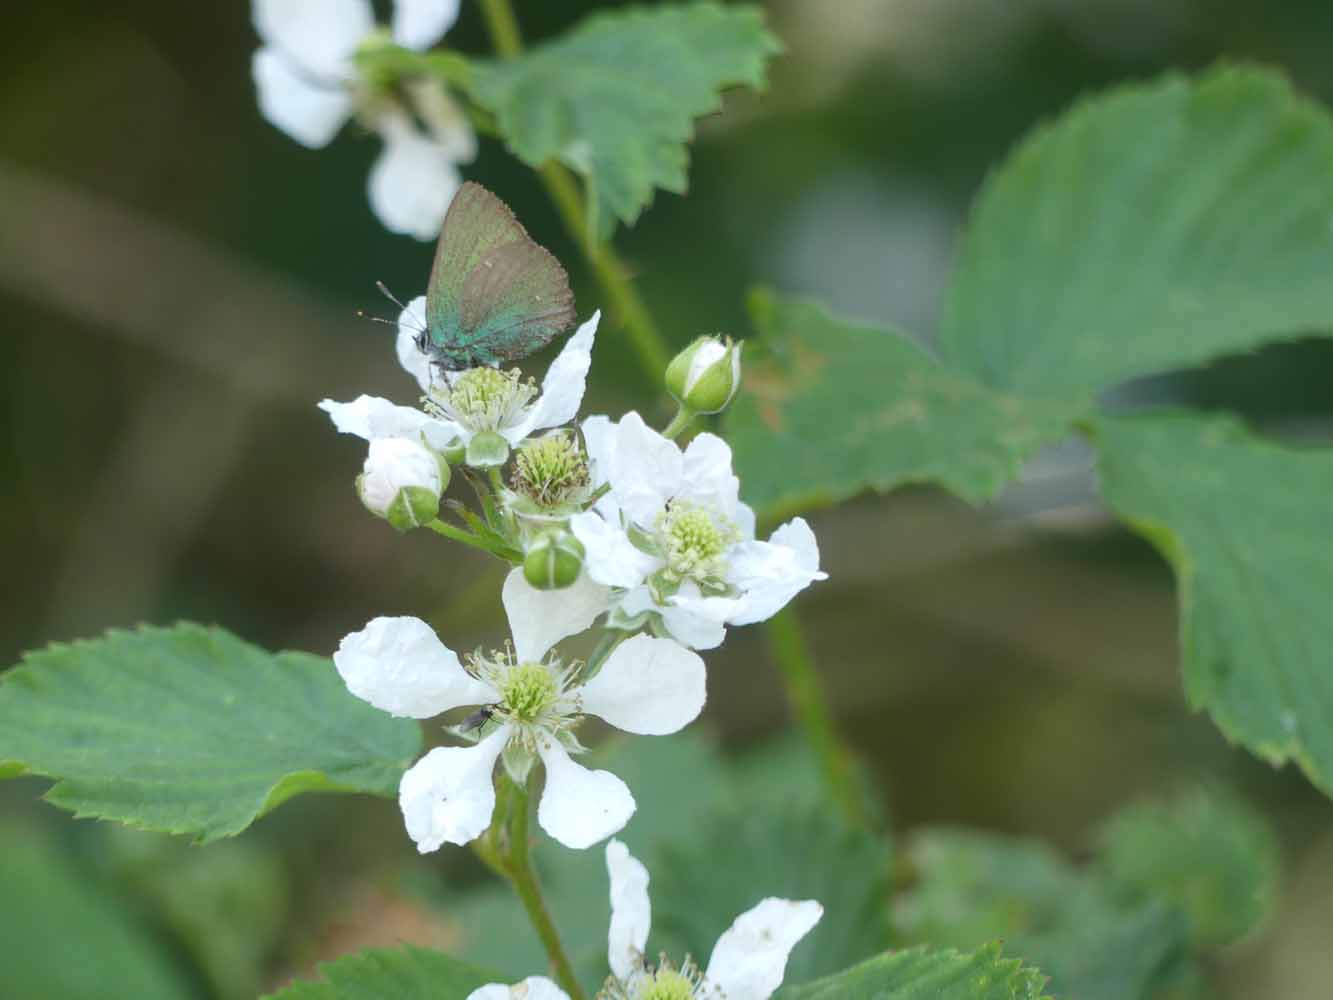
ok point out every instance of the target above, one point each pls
(448, 796)
(648, 686)
(631, 911)
(750, 958)
(579, 806)
(400, 666)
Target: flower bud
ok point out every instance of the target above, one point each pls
(705, 376)
(402, 482)
(554, 561)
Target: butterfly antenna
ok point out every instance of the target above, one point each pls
(362, 314)
(384, 290)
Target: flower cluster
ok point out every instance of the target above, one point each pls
(602, 521)
(310, 83)
(748, 961)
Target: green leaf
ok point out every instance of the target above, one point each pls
(1149, 229)
(836, 408)
(741, 855)
(1208, 854)
(925, 974)
(64, 935)
(190, 730)
(1245, 524)
(972, 888)
(616, 98)
(401, 973)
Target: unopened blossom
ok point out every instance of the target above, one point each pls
(401, 481)
(706, 375)
(532, 701)
(308, 86)
(485, 411)
(675, 542)
(748, 962)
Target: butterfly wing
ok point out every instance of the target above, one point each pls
(514, 301)
(476, 224)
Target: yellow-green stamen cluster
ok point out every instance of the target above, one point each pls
(665, 982)
(695, 541)
(551, 470)
(482, 398)
(528, 691)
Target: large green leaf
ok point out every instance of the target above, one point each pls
(616, 98)
(190, 730)
(64, 937)
(835, 408)
(1246, 524)
(924, 974)
(743, 854)
(401, 973)
(1149, 229)
(972, 888)
(1211, 856)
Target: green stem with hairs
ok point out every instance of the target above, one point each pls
(683, 418)
(518, 868)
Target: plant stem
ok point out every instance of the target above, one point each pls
(524, 879)
(459, 535)
(683, 418)
(563, 189)
(806, 695)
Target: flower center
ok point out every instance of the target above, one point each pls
(694, 541)
(483, 398)
(666, 984)
(529, 689)
(551, 470)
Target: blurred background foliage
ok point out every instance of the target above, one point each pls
(179, 283)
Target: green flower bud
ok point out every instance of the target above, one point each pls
(705, 376)
(554, 561)
(455, 452)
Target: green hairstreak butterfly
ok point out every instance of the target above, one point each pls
(494, 294)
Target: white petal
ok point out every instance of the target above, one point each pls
(744, 519)
(563, 386)
(538, 619)
(401, 667)
(371, 417)
(707, 479)
(448, 796)
(645, 469)
(693, 627)
(579, 806)
(308, 111)
(320, 36)
(599, 437)
(769, 574)
(631, 913)
(532, 988)
(419, 24)
(750, 957)
(412, 181)
(609, 556)
(411, 324)
(647, 685)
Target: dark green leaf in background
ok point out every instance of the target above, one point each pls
(398, 973)
(924, 974)
(1150, 229)
(616, 98)
(190, 730)
(62, 935)
(975, 887)
(1245, 523)
(1209, 855)
(835, 408)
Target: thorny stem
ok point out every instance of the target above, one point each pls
(805, 693)
(519, 870)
